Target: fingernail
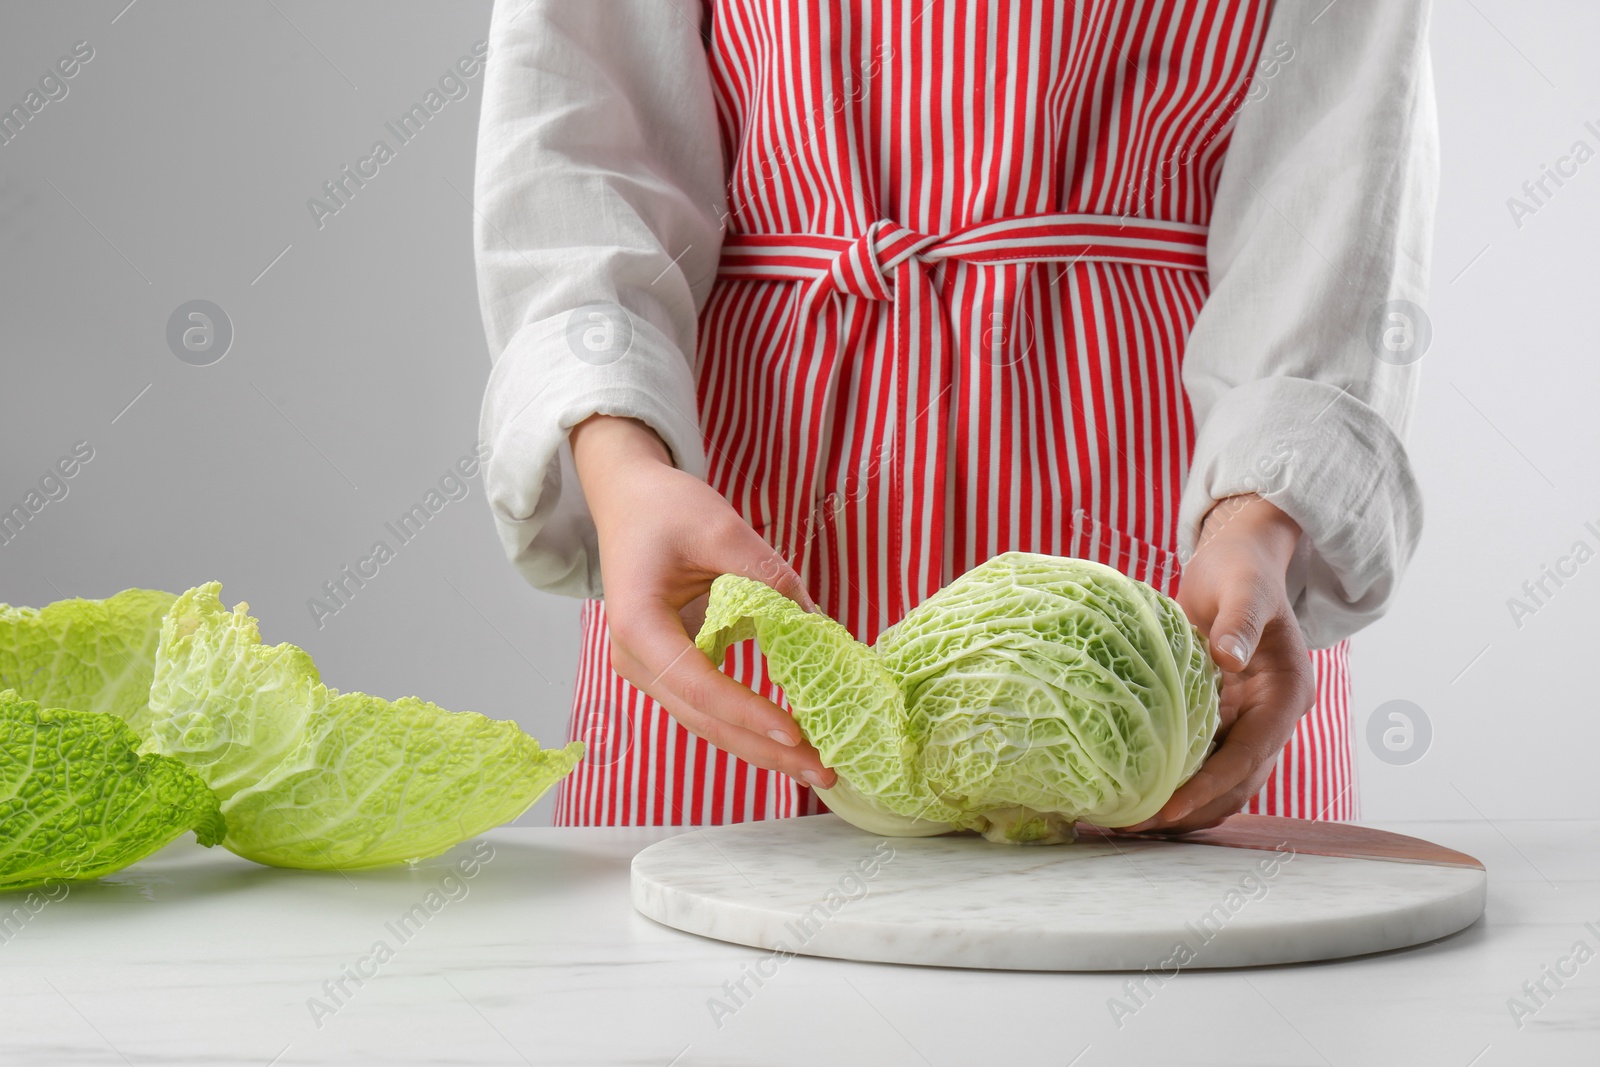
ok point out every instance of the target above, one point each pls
(782, 738)
(812, 778)
(1235, 648)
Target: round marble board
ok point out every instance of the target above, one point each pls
(818, 886)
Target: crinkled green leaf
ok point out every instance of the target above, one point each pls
(311, 777)
(1030, 693)
(845, 700)
(77, 801)
(88, 655)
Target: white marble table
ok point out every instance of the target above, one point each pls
(197, 957)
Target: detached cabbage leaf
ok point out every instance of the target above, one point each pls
(78, 802)
(315, 778)
(1030, 693)
(88, 655)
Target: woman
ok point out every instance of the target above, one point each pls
(852, 296)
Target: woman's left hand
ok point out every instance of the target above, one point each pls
(1234, 590)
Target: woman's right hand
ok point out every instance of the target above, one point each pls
(665, 535)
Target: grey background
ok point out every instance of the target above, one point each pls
(178, 167)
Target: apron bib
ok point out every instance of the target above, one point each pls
(964, 248)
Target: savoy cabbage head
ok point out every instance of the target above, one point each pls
(1030, 693)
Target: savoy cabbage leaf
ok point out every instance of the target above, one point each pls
(77, 801)
(312, 777)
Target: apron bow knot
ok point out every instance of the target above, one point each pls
(866, 267)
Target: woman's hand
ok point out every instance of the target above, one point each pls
(664, 536)
(1233, 589)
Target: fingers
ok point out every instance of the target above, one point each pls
(1234, 773)
(651, 650)
(1236, 762)
(756, 750)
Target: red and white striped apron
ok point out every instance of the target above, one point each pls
(965, 246)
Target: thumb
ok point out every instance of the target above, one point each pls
(789, 584)
(766, 565)
(1236, 630)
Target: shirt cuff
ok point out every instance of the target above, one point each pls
(595, 360)
(1335, 467)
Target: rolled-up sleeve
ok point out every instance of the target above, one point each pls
(599, 199)
(1301, 369)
